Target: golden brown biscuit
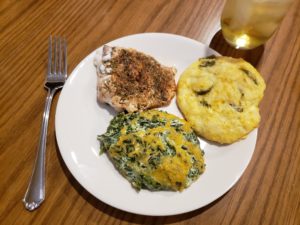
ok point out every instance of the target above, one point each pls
(219, 96)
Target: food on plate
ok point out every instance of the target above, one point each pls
(133, 81)
(153, 150)
(219, 96)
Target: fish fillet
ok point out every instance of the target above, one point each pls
(133, 81)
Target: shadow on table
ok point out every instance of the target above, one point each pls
(219, 44)
(122, 215)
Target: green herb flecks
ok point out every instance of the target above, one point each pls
(249, 75)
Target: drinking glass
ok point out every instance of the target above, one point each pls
(247, 24)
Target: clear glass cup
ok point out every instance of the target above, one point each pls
(247, 24)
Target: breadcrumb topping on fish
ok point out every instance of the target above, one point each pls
(133, 81)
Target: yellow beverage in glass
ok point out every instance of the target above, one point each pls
(247, 24)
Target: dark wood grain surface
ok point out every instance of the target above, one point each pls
(267, 193)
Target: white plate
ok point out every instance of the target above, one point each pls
(79, 119)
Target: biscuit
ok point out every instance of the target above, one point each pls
(219, 96)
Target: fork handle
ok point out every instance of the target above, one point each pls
(35, 193)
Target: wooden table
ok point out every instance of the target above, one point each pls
(267, 193)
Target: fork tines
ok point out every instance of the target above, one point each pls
(57, 59)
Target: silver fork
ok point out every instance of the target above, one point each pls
(55, 79)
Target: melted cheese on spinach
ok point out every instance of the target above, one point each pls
(153, 150)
